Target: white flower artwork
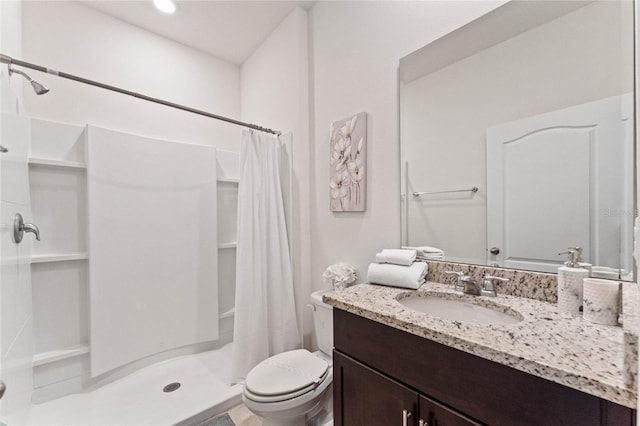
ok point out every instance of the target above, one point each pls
(347, 181)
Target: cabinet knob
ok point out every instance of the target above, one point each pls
(405, 417)
(494, 250)
(423, 423)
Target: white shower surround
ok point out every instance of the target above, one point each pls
(153, 275)
(60, 264)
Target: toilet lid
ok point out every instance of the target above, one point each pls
(286, 373)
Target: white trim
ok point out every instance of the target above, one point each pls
(227, 245)
(44, 258)
(56, 163)
(228, 313)
(228, 180)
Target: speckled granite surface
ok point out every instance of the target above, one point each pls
(533, 285)
(596, 359)
(631, 325)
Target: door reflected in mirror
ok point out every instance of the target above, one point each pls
(534, 107)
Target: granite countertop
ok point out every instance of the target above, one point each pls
(563, 348)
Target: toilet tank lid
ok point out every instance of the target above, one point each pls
(316, 298)
(286, 373)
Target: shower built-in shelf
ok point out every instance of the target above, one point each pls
(227, 245)
(45, 258)
(228, 180)
(60, 354)
(228, 313)
(56, 163)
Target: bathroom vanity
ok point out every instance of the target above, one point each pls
(396, 366)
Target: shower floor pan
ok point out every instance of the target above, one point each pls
(140, 399)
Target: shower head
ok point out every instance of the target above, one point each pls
(37, 87)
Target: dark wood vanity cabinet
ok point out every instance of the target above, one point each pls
(434, 414)
(380, 371)
(368, 397)
(371, 398)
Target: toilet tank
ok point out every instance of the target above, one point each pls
(322, 321)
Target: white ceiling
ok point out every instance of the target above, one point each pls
(229, 30)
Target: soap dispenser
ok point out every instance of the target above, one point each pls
(570, 278)
(581, 262)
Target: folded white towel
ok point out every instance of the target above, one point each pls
(432, 256)
(427, 251)
(397, 276)
(396, 256)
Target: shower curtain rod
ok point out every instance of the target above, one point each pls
(11, 61)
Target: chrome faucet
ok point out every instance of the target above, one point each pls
(488, 287)
(466, 283)
(470, 286)
(459, 284)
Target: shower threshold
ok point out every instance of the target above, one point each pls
(140, 398)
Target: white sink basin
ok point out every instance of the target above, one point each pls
(459, 310)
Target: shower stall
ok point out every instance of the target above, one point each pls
(136, 265)
(132, 284)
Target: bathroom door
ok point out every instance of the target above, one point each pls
(555, 181)
(16, 321)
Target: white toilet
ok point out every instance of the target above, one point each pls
(294, 388)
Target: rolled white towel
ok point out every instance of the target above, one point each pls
(398, 276)
(396, 256)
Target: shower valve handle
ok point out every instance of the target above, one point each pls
(19, 228)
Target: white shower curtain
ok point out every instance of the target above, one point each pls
(265, 318)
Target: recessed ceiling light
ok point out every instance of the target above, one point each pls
(166, 6)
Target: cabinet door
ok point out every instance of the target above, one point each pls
(435, 414)
(363, 396)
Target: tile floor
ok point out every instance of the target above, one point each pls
(241, 416)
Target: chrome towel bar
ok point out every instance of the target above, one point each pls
(472, 190)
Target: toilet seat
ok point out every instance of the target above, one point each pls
(286, 376)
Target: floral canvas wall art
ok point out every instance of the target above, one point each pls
(347, 176)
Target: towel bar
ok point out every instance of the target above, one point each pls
(473, 190)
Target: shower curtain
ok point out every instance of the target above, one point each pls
(265, 319)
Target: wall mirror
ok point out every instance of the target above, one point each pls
(517, 138)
